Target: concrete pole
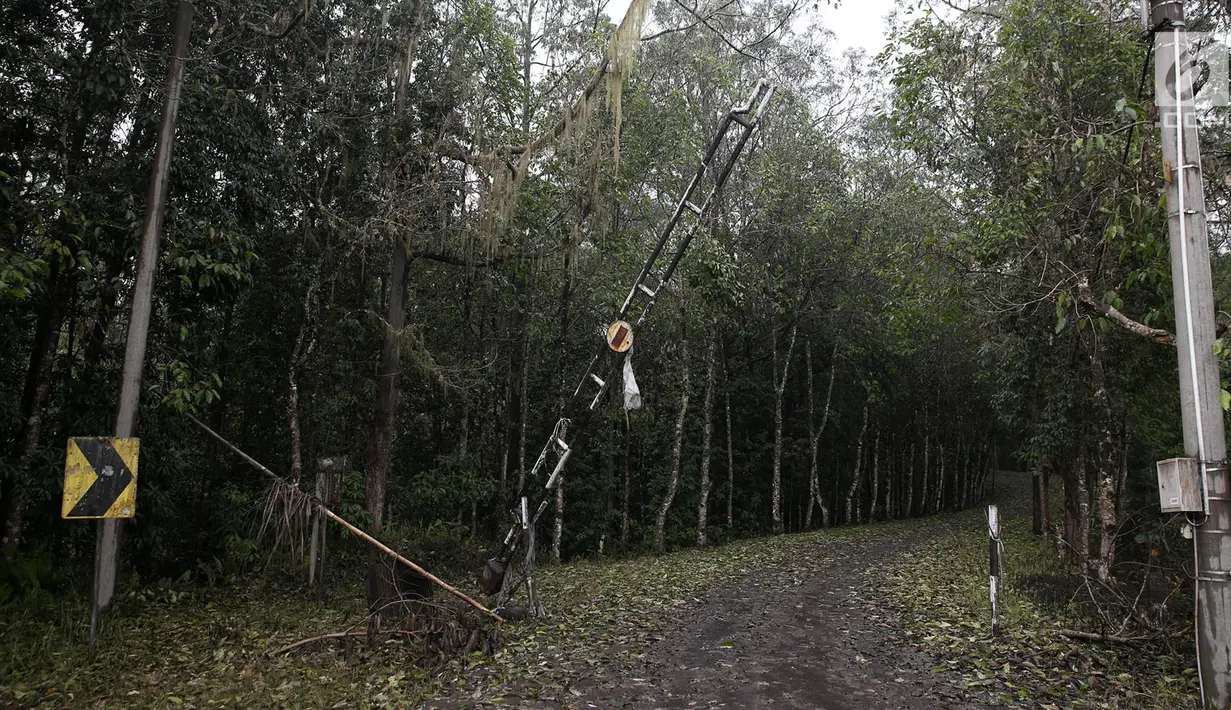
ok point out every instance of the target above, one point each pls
(1204, 434)
(108, 541)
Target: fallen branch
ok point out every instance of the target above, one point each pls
(336, 635)
(320, 505)
(1100, 638)
(1086, 298)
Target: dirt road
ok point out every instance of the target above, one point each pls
(811, 632)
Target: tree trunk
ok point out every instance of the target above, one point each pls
(506, 440)
(726, 396)
(566, 304)
(814, 437)
(910, 481)
(973, 460)
(1046, 502)
(876, 457)
(660, 524)
(377, 470)
(34, 395)
(959, 468)
(377, 475)
(961, 471)
(1107, 469)
(925, 490)
(1036, 502)
(298, 355)
(557, 528)
(854, 487)
(525, 407)
(941, 481)
(812, 475)
(1121, 498)
(1083, 514)
(609, 509)
(628, 455)
(527, 61)
(985, 468)
(890, 507)
(509, 439)
(706, 438)
(779, 389)
(1069, 535)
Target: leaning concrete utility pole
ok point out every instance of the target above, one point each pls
(1204, 435)
(108, 542)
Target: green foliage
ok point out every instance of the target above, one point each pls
(29, 578)
(300, 166)
(1037, 124)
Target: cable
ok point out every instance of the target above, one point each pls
(1188, 311)
(1197, 615)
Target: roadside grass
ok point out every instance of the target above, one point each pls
(942, 588)
(200, 648)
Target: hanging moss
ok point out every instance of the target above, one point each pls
(621, 60)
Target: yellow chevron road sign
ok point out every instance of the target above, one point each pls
(100, 477)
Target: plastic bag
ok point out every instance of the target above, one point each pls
(632, 395)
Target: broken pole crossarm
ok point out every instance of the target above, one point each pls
(324, 510)
(745, 120)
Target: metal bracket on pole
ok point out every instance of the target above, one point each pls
(524, 575)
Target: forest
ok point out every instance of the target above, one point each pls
(395, 234)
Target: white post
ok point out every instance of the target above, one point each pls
(993, 556)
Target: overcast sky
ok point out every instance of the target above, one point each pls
(857, 23)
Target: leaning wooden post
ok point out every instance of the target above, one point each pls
(993, 556)
(324, 510)
(317, 527)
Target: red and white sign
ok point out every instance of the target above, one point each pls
(620, 336)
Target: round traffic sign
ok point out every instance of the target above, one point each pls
(620, 336)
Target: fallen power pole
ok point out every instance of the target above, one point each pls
(717, 162)
(107, 545)
(1204, 434)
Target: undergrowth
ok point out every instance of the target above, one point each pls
(211, 648)
(181, 645)
(942, 588)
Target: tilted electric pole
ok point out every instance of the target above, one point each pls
(107, 544)
(1204, 435)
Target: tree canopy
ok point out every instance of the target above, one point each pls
(395, 232)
